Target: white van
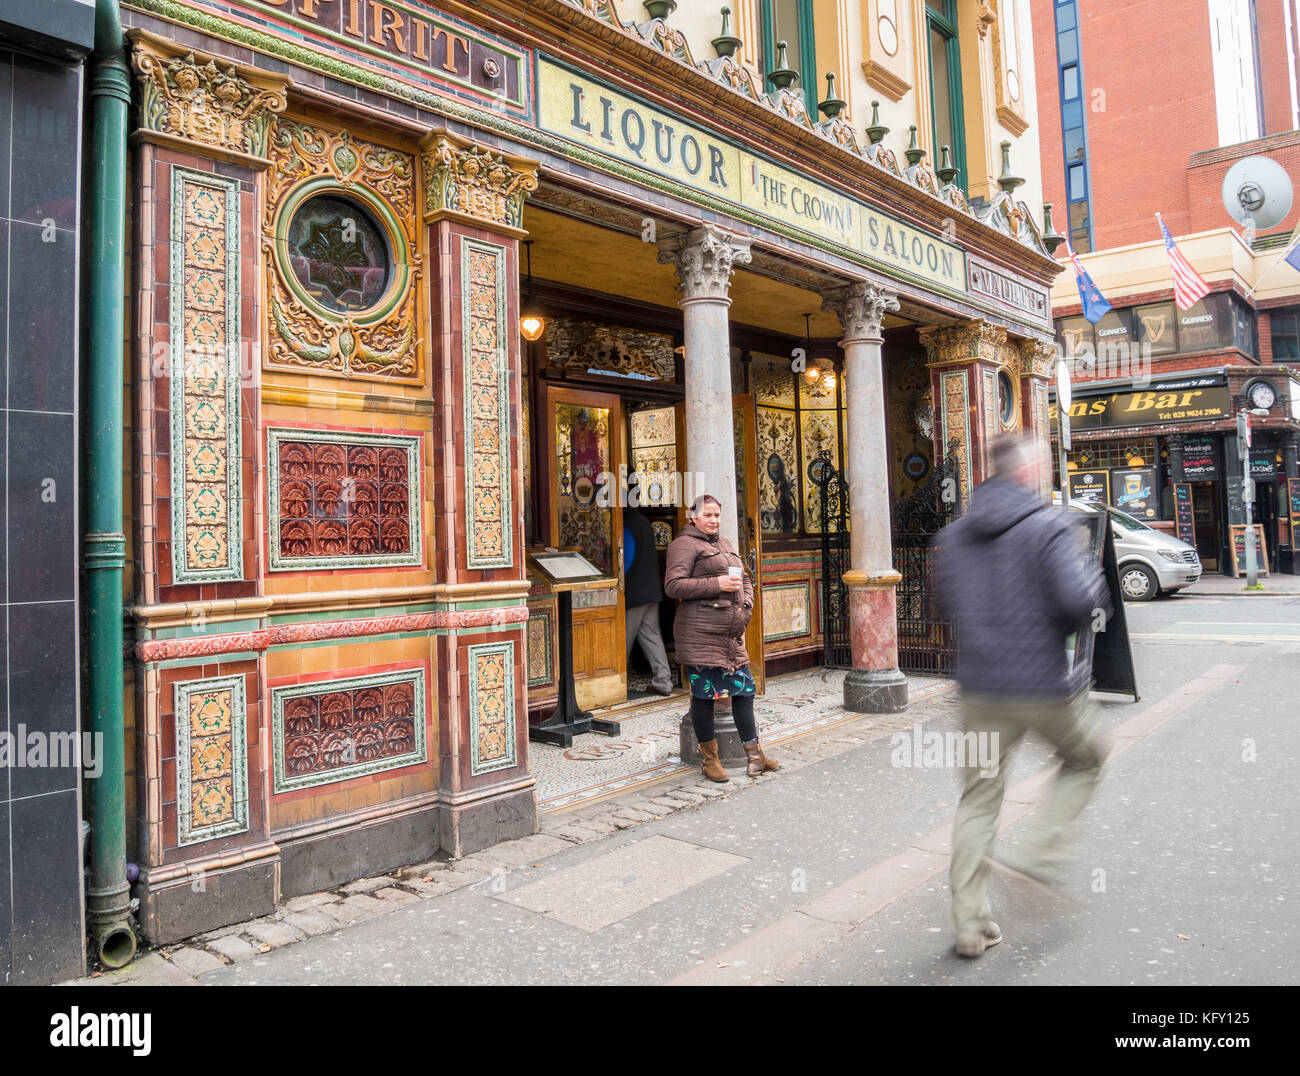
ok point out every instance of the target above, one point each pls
(1150, 562)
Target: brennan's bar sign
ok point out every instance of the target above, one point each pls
(1165, 401)
(587, 112)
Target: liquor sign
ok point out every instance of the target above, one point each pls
(1184, 513)
(606, 121)
(1176, 400)
(1201, 458)
(1239, 550)
(1133, 490)
(1090, 486)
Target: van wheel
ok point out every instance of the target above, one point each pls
(1138, 583)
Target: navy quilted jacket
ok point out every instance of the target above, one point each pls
(1017, 580)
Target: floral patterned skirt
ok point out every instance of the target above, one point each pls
(712, 682)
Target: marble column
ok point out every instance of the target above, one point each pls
(874, 684)
(705, 258)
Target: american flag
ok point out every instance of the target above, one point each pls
(1189, 288)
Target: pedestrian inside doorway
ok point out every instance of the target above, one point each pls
(716, 599)
(1017, 581)
(643, 594)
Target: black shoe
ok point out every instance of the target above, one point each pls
(664, 691)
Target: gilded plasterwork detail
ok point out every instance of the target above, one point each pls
(379, 342)
(205, 419)
(590, 345)
(469, 180)
(203, 102)
(968, 341)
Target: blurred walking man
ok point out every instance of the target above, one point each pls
(1015, 577)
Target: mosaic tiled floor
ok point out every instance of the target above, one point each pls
(646, 751)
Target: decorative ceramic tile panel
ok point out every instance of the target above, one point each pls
(819, 434)
(540, 654)
(956, 426)
(787, 611)
(211, 768)
(341, 729)
(204, 321)
(778, 471)
(773, 379)
(990, 405)
(487, 405)
(491, 707)
(342, 500)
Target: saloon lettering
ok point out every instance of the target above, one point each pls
(909, 248)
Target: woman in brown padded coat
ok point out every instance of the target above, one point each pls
(716, 599)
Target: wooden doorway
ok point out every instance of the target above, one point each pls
(584, 449)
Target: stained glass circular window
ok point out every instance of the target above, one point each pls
(339, 253)
(1006, 399)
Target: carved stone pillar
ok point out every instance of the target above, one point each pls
(1037, 366)
(963, 362)
(874, 685)
(705, 259)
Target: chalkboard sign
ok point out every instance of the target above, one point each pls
(1239, 550)
(1090, 486)
(1184, 513)
(1201, 457)
(1133, 490)
(1263, 461)
(1293, 488)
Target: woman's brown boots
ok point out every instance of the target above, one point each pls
(757, 762)
(709, 762)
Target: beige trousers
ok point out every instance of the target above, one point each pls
(1066, 724)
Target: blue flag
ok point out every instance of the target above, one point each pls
(1293, 259)
(1094, 303)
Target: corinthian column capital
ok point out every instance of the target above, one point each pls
(704, 258)
(861, 309)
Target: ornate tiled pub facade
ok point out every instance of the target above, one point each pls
(343, 450)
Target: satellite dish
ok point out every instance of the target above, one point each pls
(1257, 192)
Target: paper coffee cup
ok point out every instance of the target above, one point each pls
(735, 572)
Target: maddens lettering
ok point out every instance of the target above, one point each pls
(75, 1028)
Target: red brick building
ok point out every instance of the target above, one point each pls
(1140, 114)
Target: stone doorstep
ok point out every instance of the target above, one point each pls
(319, 913)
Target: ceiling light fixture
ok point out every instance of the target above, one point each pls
(532, 322)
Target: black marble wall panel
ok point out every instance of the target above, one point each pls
(41, 881)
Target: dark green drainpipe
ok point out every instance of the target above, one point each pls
(108, 897)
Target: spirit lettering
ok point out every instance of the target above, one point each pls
(386, 22)
(449, 64)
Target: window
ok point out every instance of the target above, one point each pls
(1069, 83)
(945, 84)
(796, 420)
(1285, 327)
(791, 21)
(1074, 135)
(1156, 326)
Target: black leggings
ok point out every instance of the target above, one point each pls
(742, 709)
